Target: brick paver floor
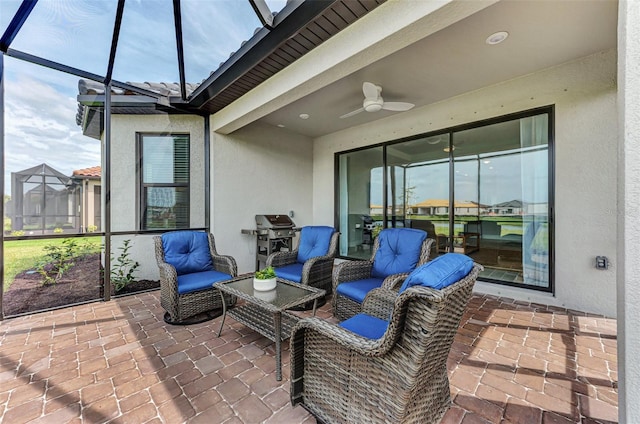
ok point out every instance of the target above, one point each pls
(118, 362)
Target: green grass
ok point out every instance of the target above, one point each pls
(23, 255)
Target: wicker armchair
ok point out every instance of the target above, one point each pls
(401, 377)
(189, 265)
(312, 262)
(352, 280)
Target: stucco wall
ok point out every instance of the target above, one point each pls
(259, 169)
(629, 204)
(584, 95)
(123, 179)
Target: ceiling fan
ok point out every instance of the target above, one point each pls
(373, 101)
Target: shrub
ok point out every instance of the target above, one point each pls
(17, 233)
(92, 228)
(58, 230)
(58, 260)
(123, 267)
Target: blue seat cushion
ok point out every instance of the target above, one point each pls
(440, 272)
(187, 251)
(399, 251)
(358, 289)
(366, 326)
(314, 241)
(292, 272)
(188, 283)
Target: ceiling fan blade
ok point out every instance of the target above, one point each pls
(397, 106)
(370, 90)
(350, 114)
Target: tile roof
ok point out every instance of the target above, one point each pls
(94, 171)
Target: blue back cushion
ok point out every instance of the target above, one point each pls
(314, 241)
(399, 251)
(187, 251)
(440, 272)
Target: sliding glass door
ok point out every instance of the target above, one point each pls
(501, 198)
(481, 190)
(360, 196)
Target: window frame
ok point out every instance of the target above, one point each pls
(548, 109)
(141, 186)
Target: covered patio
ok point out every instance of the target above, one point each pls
(511, 362)
(267, 131)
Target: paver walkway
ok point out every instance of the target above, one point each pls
(119, 362)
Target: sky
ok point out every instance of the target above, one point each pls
(41, 105)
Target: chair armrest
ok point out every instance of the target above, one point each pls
(350, 271)
(277, 259)
(168, 276)
(379, 303)
(394, 281)
(317, 267)
(226, 264)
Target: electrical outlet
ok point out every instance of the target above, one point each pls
(602, 262)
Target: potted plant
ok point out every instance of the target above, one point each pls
(265, 279)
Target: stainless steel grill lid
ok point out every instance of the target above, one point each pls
(273, 221)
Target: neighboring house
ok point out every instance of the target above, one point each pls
(441, 207)
(43, 200)
(512, 207)
(90, 198)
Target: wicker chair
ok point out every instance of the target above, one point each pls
(352, 280)
(189, 265)
(312, 262)
(401, 377)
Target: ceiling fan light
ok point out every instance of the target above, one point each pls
(373, 107)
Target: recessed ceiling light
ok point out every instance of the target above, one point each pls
(304, 116)
(486, 161)
(447, 149)
(281, 125)
(497, 38)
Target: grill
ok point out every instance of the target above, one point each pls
(273, 234)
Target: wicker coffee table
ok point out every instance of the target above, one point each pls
(265, 312)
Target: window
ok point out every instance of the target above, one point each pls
(164, 181)
(482, 189)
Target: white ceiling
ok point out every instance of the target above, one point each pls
(456, 60)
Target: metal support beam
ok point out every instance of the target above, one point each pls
(106, 183)
(16, 23)
(177, 16)
(263, 12)
(207, 172)
(114, 41)
(2, 211)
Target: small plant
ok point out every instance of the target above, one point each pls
(266, 273)
(92, 228)
(123, 267)
(58, 260)
(58, 230)
(376, 230)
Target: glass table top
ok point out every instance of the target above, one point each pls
(283, 295)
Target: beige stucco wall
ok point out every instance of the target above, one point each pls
(584, 95)
(628, 212)
(259, 169)
(124, 180)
